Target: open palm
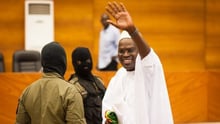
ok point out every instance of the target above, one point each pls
(120, 14)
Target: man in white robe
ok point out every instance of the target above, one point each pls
(137, 93)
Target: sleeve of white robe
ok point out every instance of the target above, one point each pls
(152, 98)
(114, 93)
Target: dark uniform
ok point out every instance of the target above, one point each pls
(90, 87)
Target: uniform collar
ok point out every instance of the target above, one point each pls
(52, 75)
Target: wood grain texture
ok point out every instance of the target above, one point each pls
(11, 29)
(12, 86)
(213, 96)
(212, 34)
(188, 95)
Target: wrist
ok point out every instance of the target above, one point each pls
(131, 29)
(133, 32)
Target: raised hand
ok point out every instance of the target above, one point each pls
(124, 21)
(121, 15)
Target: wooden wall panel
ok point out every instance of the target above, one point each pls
(213, 34)
(175, 31)
(11, 87)
(74, 25)
(188, 96)
(11, 29)
(213, 97)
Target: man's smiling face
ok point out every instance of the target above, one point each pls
(127, 53)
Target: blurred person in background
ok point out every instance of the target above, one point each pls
(108, 45)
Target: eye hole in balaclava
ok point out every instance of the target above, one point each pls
(82, 62)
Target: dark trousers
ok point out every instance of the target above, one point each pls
(113, 66)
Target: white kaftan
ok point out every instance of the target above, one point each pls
(140, 96)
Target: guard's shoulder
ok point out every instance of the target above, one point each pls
(75, 81)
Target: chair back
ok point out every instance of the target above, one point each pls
(2, 64)
(26, 61)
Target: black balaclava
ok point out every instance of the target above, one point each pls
(53, 58)
(82, 68)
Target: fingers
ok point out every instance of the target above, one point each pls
(117, 8)
(114, 8)
(122, 7)
(111, 9)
